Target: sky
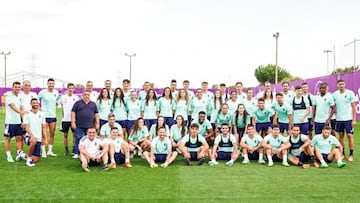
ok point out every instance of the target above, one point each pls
(219, 41)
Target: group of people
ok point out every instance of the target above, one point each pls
(113, 125)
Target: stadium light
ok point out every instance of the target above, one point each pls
(327, 59)
(130, 56)
(354, 49)
(276, 35)
(5, 55)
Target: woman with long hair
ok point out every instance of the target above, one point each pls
(139, 137)
(166, 106)
(118, 108)
(182, 102)
(149, 108)
(103, 104)
(214, 106)
(241, 120)
(159, 123)
(133, 106)
(178, 131)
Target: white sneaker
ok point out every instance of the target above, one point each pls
(10, 159)
(51, 154)
(246, 161)
(76, 156)
(261, 161)
(30, 163)
(18, 157)
(43, 155)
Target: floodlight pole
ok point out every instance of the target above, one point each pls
(327, 59)
(130, 56)
(355, 40)
(276, 35)
(5, 55)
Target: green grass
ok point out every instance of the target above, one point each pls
(61, 179)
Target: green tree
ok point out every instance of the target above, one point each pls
(345, 70)
(267, 73)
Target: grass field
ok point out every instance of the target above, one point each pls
(61, 179)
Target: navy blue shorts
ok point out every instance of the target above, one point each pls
(263, 126)
(130, 124)
(150, 122)
(283, 127)
(160, 158)
(123, 123)
(37, 149)
(50, 120)
(304, 127)
(333, 123)
(344, 126)
(240, 131)
(102, 122)
(193, 156)
(223, 155)
(66, 126)
(319, 127)
(254, 155)
(324, 156)
(311, 126)
(12, 130)
(119, 158)
(303, 157)
(275, 158)
(169, 121)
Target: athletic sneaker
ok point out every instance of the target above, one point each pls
(341, 164)
(246, 161)
(43, 155)
(30, 163)
(201, 161)
(153, 165)
(285, 163)
(105, 167)
(324, 165)
(261, 161)
(270, 163)
(187, 162)
(85, 167)
(164, 165)
(212, 163)
(140, 153)
(351, 158)
(76, 156)
(10, 159)
(51, 154)
(18, 157)
(127, 165)
(113, 165)
(230, 163)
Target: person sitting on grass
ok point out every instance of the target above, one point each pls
(161, 150)
(139, 137)
(225, 147)
(93, 151)
(276, 147)
(252, 148)
(324, 152)
(300, 150)
(118, 149)
(193, 146)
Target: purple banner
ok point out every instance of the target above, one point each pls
(352, 81)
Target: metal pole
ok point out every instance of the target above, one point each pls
(327, 59)
(130, 56)
(5, 74)
(354, 49)
(276, 35)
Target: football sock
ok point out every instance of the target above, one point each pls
(8, 153)
(261, 156)
(351, 152)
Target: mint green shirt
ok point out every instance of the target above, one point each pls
(224, 118)
(11, 116)
(161, 147)
(203, 126)
(283, 111)
(343, 103)
(240, 121)
(214, 109)
(175, 132)
(324, 144)
(198, 105)
(104, 108)
(134, 109)
(153, 131)
(166, 107)
(117, 142)
(48, 102)
(274, 142)
(35, 122)
(252, 142)
(323, 104)
(262, 115)
(149, 109)
(226, 140)
(140, 134)
(105, 129)
(232, 106)
(119, 110)
(181, 108)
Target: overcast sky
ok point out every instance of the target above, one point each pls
(199, 40)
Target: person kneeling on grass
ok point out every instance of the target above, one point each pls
(118, 149)
(139, 137)
(35, 126)
(193, 146)
(276, 147)
(323, 144)
(225, 147)
(93, 151)
(161, 150)
(251, 146)
(300, 150)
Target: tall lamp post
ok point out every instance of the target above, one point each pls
(130, 56)
(354, 49)
(327, 59)
(5, 55)
(276, 35)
